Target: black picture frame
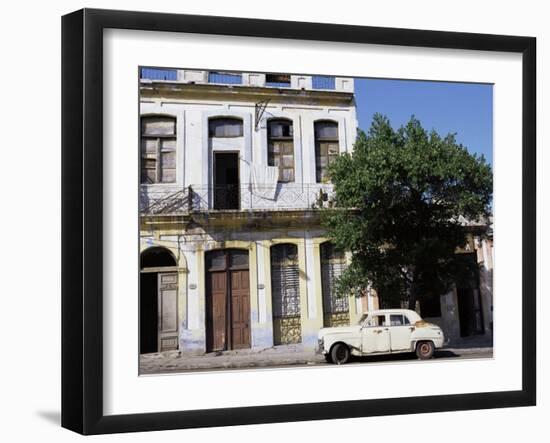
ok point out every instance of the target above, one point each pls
(82, 155)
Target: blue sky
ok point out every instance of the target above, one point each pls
(462, 108)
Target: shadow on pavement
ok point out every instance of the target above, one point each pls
(400, 357)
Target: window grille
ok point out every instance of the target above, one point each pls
(225, 127)
(335, 307)
(285, 288)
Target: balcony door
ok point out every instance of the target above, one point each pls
(226, 180)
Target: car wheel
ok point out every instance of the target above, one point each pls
(425, 350)
(328, 358)
(340, 353)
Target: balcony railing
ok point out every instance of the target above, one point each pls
(244, 197)
(153, 202)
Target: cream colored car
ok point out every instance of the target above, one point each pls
(384, 331)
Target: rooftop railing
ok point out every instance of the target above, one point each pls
(159, 74)
(225, 78)
(323, 82)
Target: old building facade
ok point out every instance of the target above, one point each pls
(233, 177)
(233, 174)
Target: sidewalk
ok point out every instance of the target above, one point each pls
(174, 361)
(478, 342)
(287, 355)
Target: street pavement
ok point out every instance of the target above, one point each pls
(282, 356)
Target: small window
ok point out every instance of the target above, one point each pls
(277, 80)
(377, 320)
(280, 129)
(398, 320)
(326, 130)
(158, 149)
(225, 127)
(239, 258)
(215, 260)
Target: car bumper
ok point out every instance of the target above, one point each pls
(320, 348)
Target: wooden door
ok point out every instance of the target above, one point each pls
(216, 311)
(240, 309)
(167, 311)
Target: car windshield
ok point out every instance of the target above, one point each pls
(362, 319)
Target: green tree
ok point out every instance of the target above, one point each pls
(401, 199)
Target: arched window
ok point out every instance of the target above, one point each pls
(225, 127)
(280, 148)
(335, 307)
(158, 149)
(285, 293)
(326, 148)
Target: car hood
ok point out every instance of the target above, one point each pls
(426, 324)
(339, 330)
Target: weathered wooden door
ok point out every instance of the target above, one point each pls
(227, 300)
(216, 311)
(240, 309)
(167, 311)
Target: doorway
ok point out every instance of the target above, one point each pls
(469, 312)
(469, 300)
(227, 300)
(226, 180)
(158, 304)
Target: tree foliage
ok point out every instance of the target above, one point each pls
(410, 192)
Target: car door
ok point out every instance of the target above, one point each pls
(400, 330)
(375, 335)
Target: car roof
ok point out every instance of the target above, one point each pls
(394, 311)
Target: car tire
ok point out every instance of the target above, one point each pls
(339, 354)
(328, 358)
(425, 350)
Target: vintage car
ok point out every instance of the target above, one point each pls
(384, 331)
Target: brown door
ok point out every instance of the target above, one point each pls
(227, 300)
(216, 311)
(240, 310)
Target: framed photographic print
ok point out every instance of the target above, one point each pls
(270, 221)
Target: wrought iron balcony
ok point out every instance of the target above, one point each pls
(244, 197)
